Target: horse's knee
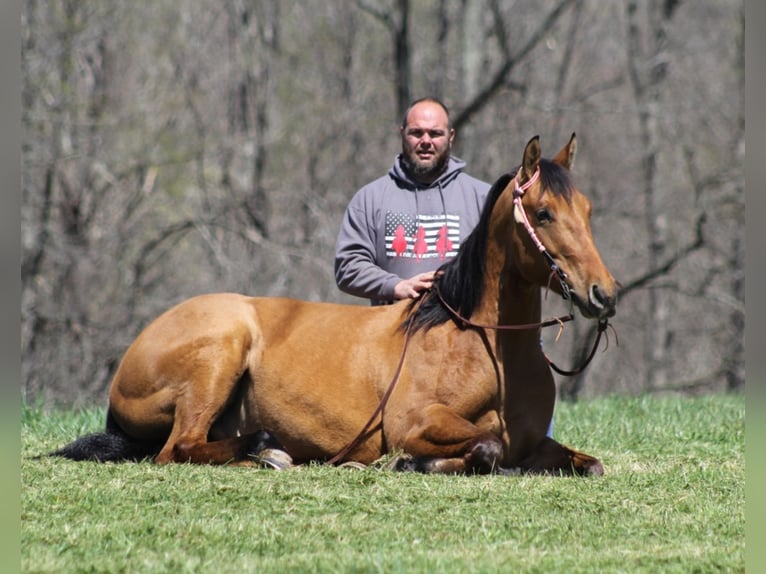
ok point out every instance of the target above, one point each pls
(187, 451)
(485, 455)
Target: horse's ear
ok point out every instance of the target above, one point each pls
(566, 156)
(531, 158)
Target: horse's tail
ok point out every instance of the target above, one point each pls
(111, 445)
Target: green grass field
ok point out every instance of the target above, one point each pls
(672, 500)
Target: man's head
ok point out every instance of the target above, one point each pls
(427, 137)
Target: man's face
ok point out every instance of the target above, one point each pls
(426, 141)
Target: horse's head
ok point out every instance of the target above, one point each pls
(554, 237)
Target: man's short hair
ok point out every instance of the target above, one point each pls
(429, 99)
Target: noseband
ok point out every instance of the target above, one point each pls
(521, 216)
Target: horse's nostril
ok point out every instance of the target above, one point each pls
(597, 296)
(602, 301)
(598, 293)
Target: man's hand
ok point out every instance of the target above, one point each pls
(412, 288)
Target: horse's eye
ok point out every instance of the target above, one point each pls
(544, 216)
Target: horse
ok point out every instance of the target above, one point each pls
(225, 378)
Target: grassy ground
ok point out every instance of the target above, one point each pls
(672, 500)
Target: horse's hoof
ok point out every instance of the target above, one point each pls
(353, 465)
(515, 471)
(401, 462)
(275, 458)
(593, 469)
(405, 463)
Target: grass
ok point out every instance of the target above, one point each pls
(672, 500)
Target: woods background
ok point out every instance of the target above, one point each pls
(178, 147)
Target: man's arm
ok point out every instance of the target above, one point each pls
(356, 269)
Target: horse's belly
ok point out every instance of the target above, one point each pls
(314, 410)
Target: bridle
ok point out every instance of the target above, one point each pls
(521, 217)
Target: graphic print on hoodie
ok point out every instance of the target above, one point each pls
(422, 236)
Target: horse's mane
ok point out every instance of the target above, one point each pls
(461, 280)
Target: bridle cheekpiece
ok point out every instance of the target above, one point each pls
(521, 217)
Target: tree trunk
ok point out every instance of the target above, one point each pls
(647, 70)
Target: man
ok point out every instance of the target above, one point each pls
(398, 229)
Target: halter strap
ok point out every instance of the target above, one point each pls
(520, 215)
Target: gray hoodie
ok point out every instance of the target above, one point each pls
(396, 227)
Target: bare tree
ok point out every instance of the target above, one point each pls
(647, 68)
(396, 20)
(218, 151)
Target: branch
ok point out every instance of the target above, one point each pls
(594, 89)
(483, 97)
(171, 232)
(671, 262)
(32, 263)
(375, 11)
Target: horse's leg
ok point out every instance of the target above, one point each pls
(204, 399)
(259, 448)
(441, 441)
(550, 456)
(188, 442)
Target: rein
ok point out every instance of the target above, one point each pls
(602, 325)
(520, 327)
(384, 399)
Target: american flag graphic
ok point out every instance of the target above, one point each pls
(422, 236)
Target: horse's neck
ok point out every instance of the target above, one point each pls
(520, 304)
(510, 300)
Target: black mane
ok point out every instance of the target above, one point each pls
(461, 280)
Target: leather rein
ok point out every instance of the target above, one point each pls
(521, 217)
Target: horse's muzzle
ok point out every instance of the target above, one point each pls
(599, 304)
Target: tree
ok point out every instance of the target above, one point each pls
(218, 152)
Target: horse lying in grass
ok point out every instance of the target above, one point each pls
(225, 378)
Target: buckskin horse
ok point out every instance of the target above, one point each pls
(456, 381)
